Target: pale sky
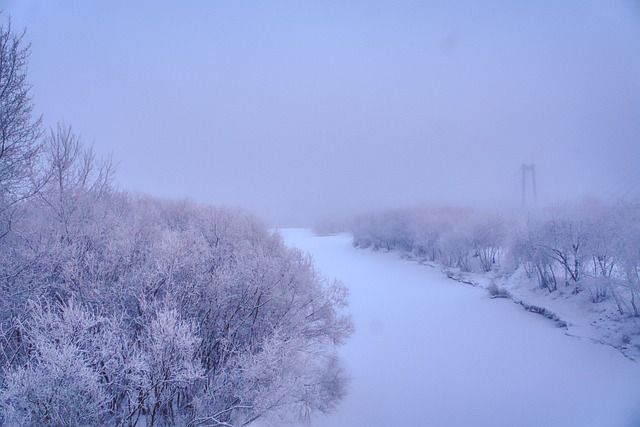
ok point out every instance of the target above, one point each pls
(305, 108)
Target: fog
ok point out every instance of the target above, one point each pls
(299, 110)
(395, 267)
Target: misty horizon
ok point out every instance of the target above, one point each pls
(369, 213)
(299, 111)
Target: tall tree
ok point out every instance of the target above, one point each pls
(20, 131)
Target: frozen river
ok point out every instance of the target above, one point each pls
(429, 351)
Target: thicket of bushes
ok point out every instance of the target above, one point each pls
(591, 246)
(126, 310)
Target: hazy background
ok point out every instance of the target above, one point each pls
(303, 108)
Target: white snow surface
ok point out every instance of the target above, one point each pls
(429, 351)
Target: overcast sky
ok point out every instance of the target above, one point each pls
(302, 108)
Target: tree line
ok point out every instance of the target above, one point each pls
(589, 246)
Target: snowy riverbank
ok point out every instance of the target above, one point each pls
(577, 314)
(426, 353)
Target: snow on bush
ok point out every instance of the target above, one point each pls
(127, 310)
(134, 311)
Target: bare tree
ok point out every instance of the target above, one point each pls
(20, 131)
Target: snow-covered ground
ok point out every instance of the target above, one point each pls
(429, 351)
(597, 321)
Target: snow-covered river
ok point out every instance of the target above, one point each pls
(429, 351)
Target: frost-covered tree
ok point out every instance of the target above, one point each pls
(19, 129)
(487, 238)
(628, 254)
(171, 369)
(58, 383)
(171, 307)
(126, 310)
(530, 249)
(590, 246)
(56, 388)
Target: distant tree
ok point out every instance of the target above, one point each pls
(530, 250)
(628, 253)
(487, 237)
(566, 238)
